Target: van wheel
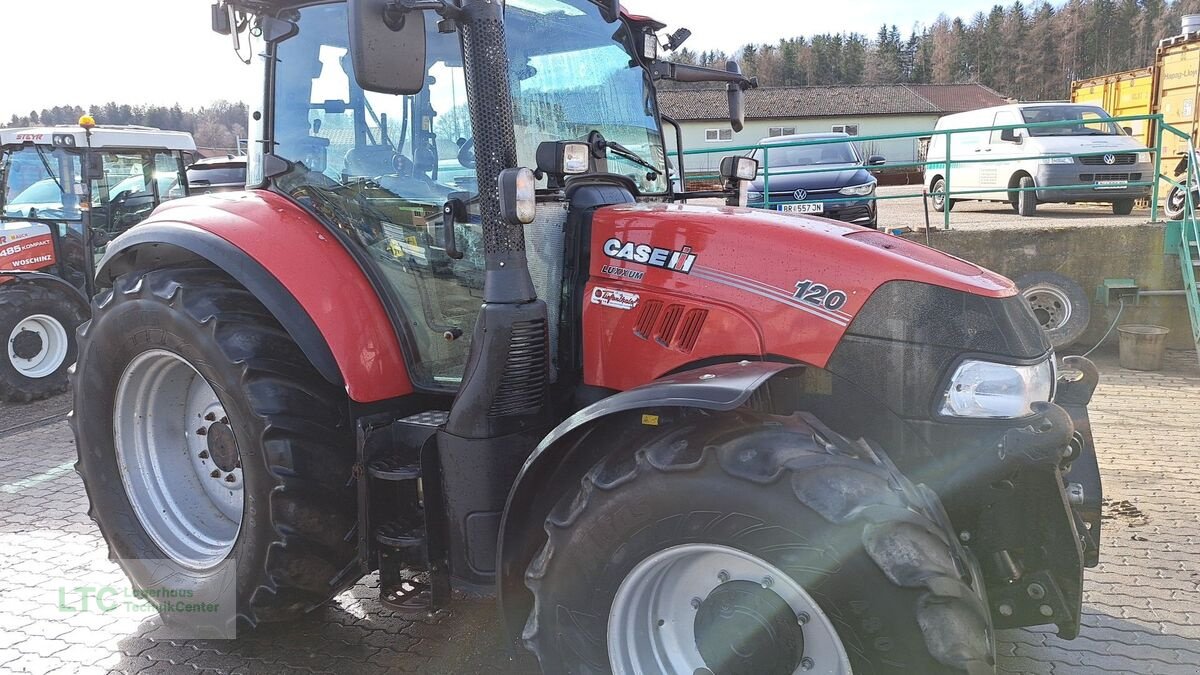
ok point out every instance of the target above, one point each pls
(938, 195)
(1026, 200)
(1122, 207)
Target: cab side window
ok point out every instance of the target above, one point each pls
(1002, 119)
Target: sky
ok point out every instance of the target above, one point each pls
(83, 52)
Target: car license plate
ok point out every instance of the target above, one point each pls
(813, 207)
(1111, 184)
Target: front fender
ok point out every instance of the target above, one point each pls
(301, 272)
(720, 387)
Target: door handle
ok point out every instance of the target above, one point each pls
(453, 211)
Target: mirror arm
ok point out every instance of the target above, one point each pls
(396, 9)
(682, 72)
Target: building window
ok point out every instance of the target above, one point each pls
(848, 129)
(780, 131)
(717, 135)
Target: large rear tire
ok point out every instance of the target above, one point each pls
(37, 325)
(206, 439)
(830, 561)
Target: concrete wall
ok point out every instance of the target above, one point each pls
(901, 150)
(1088, 254)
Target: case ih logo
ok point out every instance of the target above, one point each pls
(676, 261)
(613, 298)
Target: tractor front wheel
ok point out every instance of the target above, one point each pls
(751, 546)
(38, 326)
(207, 443)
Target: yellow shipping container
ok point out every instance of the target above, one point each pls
(1177, 78)
(1121, 94)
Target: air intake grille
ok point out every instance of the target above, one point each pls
(523, 385)
(645, 321)
(677, 329)
(689, 332)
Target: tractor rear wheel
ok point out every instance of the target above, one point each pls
(37, 325)
(207, 441)
(751, 546)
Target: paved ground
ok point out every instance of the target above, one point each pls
(1142, 605)
(910, 211)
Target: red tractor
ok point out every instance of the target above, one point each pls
(465, 333)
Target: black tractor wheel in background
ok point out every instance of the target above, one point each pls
(37, 326)
(937, 194)
(1122, 207)
(1060, 305)
(207, 442)
(743, 544)
(1026, 198)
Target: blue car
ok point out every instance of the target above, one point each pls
(842, 189)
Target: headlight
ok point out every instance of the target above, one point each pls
(997, 390)
(754, 197)
(858, 190)
(1056, 160)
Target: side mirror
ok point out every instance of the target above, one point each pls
(739, 168)
(737, 99)
(220, 20)
(875, 160)
(387, 48)
(1010, 136)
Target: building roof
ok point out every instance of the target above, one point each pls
(831, 101)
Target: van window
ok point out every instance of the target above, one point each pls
(1004, 118)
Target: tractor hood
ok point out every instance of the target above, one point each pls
(675, 284)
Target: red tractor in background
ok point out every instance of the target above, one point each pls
(65, 191)
(464, 332)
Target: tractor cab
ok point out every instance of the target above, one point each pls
(68, 190)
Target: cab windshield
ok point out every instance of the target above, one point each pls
(41, 182)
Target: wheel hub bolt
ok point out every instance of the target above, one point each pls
(230, 478)
(203, 454)
(767, 582)
(1046, 610)
(215, 474)
(807, 663)
(211, 417)
(1005, 609)
(723, 576)
(802, 618)
(696, 603)
(1036, 591)
(202, 431)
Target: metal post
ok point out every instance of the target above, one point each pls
(766, 177)
(946, 193)
(1158, 132)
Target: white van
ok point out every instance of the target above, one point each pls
(1102, 177)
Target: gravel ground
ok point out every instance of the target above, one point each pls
(1140, 606)
(910, 211)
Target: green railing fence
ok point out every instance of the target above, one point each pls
(1183, 236)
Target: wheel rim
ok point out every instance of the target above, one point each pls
(663, 602)
(37, 346)
(1050, 305)
(1176, 201)
(178, 459)
(939, 188)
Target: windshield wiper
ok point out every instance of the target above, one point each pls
(50, 173)
(624, 152)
